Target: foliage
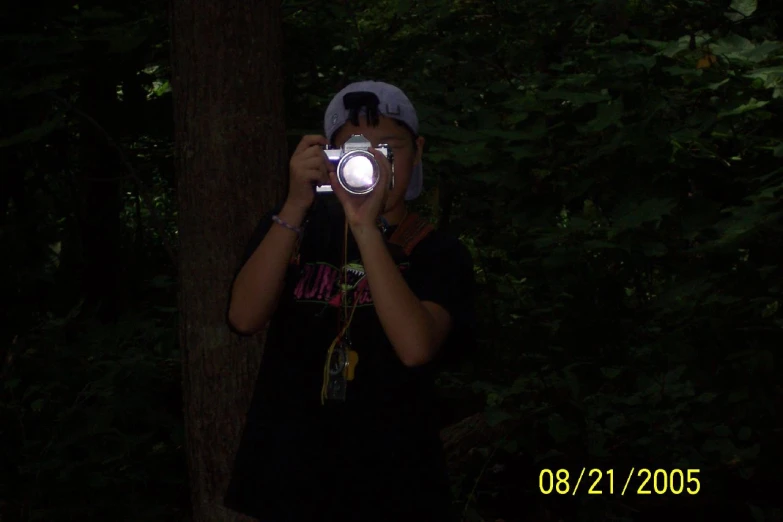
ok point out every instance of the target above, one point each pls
(92, 421)
(614, 166)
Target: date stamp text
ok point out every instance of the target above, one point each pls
(641, 481)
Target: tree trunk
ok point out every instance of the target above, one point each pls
(231, 163)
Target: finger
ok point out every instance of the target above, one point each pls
(330, 165)
(385, 166)
(313, 162)
(339, 191)
(323, 178)
(314, 171)
(383, 161)
(309, 141)
(310, 152)
(312, 175)
(314, 151)
(316, 155)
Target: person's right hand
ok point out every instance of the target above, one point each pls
(308, 167)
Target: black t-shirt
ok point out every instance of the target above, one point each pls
(377, 456)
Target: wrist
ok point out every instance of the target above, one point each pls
(293, 214)
(363, 231)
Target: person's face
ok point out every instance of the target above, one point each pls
(401, 143)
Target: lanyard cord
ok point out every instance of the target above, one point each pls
(344, 280)
(343, 318)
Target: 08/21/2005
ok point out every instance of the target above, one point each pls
(676, 481)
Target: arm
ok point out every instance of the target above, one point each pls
(257, 288)
(416, 329)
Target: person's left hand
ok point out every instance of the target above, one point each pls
(362, 212)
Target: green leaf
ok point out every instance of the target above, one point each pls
(607, 114)
(520, 105)
(631, 400)
(573, 385)
(403, 6)
(524, 152)
(655, 249)
(577, 99)
(37, 405)
(757, 513)
(742, 9)
(48, 83)
(163, 88)
(470, 155)
(735, 47)
(600, 245)
(551, 454)
(34, 133)
(596, 444)
(744, 433)
(752, 105)
(732, 44)
(495, 417)
(749, 453)
(771, 77)
(611, 373)
(614, 422)
(717, 85)
(723, 446)
(632, 214)
(762, 51)
(682, 71)
(634, 59)
(534, 131)
(722, 431)
(559, 429)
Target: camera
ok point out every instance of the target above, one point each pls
(357, 169)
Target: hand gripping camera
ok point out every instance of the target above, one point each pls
(358, 171)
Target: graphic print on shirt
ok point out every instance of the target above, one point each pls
(320, 283)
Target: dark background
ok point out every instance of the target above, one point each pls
(615, 167)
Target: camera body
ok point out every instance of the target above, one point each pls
(357, 169)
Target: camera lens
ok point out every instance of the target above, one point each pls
(358, 172)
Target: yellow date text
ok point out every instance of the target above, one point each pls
(643, 481)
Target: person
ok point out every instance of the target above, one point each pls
(373, 455)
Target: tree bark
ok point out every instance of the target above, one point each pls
(231, 163)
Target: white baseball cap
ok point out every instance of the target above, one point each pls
(384, 99)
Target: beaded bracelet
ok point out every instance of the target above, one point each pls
(282, 223)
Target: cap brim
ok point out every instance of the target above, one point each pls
(416, 183)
